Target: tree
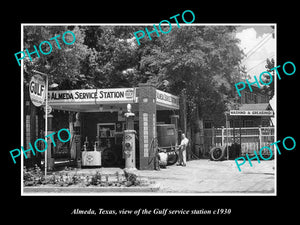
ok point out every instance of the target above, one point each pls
(62, 65)
(100, 56)
(199, 63)
(112, 57)
(269, 89)
(202, 61)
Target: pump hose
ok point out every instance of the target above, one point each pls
(71, 143)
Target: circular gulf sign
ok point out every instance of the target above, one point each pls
(37, 90)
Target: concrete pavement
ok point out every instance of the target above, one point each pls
(205, 176)
(198, 177)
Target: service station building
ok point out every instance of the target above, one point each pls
(97, 120)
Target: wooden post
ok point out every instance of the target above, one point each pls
(222, 131)
(260, 137)
(213, 136)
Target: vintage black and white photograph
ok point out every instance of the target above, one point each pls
(170, 108)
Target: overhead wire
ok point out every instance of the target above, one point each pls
(257, 44)
(257, 47)
(260, 63)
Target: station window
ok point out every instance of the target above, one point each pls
(248, 123)
(207, 124)
(265, 123)
(236, 123)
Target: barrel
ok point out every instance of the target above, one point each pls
(166, 135)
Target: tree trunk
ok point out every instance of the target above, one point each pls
(182, 112)
(189, 135)
(198, 133)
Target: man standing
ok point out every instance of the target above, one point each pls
(182, 150)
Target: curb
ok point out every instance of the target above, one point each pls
(152, 188)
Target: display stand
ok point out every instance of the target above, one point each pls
(106, 135)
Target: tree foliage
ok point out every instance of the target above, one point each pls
(201, 62)
(269, 89)
(63, 65)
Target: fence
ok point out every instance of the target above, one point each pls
(250, 138)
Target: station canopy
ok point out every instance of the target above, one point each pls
(105, 100)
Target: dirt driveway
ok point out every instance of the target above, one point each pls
(212, 177)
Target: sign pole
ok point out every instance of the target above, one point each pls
(46, 124)
(46, 115)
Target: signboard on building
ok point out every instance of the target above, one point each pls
(37, 90)
(166, 99)
(88, 96)
(251, 113)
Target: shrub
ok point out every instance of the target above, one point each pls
(34, 176)
(131, 178)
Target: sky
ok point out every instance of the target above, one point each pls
(258, 44)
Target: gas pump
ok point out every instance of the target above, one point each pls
(92, 157)
(129, 148)
(129, 140)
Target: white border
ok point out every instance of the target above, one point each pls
(150, 193)
(22, 110)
